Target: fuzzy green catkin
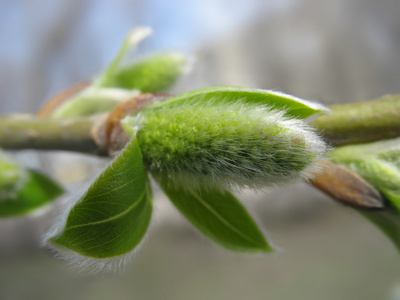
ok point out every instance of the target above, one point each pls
(226, 144)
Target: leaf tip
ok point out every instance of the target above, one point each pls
(90, 265)
(84, 264)
(266, 248)
(138, 34)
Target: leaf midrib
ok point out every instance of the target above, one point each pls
(113, 217)
(221, 218)
(88, 196)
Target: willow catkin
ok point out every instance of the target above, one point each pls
(226, 144)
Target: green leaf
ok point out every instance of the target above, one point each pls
(219, 216)
(35, 191)
(113, 216)
(292, 106)
(22, 190)
(151, 75)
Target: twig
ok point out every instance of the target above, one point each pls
(348, 123)
(27, 132)
(361, 122)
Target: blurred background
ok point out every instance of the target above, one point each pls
(329, 51)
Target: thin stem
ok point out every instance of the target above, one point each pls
(361, 122)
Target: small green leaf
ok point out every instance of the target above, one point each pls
(112, 217)
(292, 106)
(22, 190)
(151, 75)
(35, 191)
(219, 216)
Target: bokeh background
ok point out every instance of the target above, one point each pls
(330, 51)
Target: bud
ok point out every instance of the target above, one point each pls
(153, 74)
(12, 176)
(378, 163)
(22, 190)
(118, 83)
(226, 142)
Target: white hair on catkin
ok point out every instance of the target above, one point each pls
(236, 136)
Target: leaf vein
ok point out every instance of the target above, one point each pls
(113, 217)
(221, 218)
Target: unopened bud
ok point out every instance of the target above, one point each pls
(226, 143)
